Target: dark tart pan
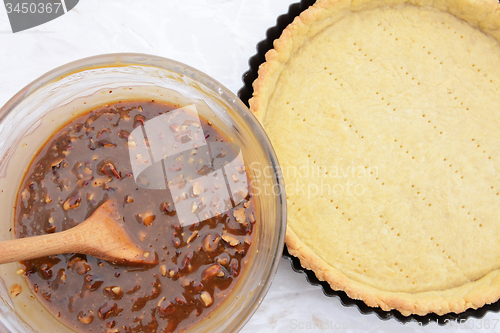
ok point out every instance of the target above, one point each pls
(245, 93)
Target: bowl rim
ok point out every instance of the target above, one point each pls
(141, 59)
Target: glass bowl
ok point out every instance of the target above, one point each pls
(38, 110)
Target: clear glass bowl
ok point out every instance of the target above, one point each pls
(33, 114)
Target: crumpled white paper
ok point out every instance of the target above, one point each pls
(217, 37)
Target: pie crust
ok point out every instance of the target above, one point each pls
(385, 116)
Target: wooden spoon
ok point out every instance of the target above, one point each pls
(102, 235)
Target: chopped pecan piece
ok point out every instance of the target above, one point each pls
(86, 317)
(206, 298)
(72, 203)
(15, 290)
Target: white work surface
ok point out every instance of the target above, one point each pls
(217, 37)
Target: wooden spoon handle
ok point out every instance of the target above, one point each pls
(38, 246)
(101, 235)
